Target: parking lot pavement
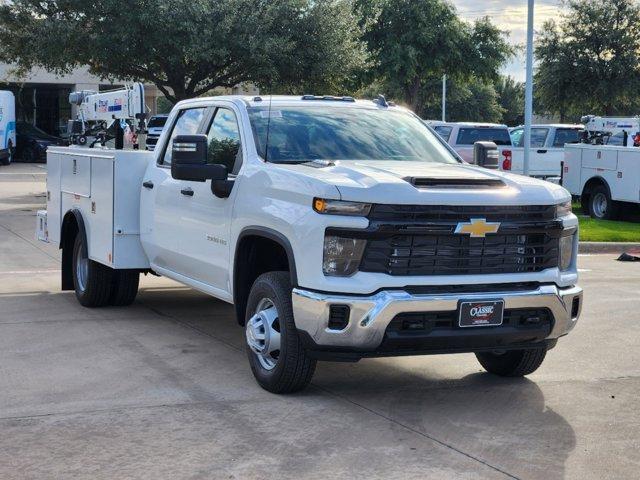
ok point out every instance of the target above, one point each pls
(162, 389)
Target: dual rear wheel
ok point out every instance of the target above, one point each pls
(97, 285)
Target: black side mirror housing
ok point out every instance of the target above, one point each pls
(189, 160)
(485, 154)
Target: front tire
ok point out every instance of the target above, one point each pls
(513, 363)
(277, 357)
(91, 280)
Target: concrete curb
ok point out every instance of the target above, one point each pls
(608, 247)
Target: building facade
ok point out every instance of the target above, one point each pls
(42, 98)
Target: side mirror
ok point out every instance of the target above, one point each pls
(189, 160)
(485, 154)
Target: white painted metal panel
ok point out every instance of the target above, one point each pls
(53, 196)
(572, 168)
(628, 176)
(130, 167)
(100, 213)
(76, 175)
(600, 158)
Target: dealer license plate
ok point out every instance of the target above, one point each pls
(481, 314)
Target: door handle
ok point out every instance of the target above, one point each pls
(187, 191)
(542, 151)
(147, 184)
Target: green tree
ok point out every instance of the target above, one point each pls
(589, 61)
(511, 98)
(469, 99)
(413, 44)
(189, 47)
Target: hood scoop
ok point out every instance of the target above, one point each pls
(319, 163)
(452, 182)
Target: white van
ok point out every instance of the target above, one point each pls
(7, 127)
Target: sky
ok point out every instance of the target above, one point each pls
(510, 16)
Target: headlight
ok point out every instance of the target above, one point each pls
(563, 209)
(566, 251)
(338, 207)
(341, 255)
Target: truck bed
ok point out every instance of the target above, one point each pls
(104, 185)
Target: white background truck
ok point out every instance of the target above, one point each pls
(547, 149)
(463, 135)
(604, 177)
(7, 127)
(339, 229)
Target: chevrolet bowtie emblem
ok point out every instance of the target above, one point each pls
(477, 227)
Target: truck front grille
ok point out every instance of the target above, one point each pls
(452, 254)
(415, 240)
(434, 213)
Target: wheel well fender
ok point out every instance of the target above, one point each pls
(72, 224)
(590, 185)
(259, 250)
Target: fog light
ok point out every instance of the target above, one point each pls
(342, 255)
(566, 251)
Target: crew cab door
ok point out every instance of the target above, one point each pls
(206, 217)
(161, 209)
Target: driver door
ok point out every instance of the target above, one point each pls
(206, 218)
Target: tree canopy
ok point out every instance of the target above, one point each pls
(589, 61)
(414, 43)
(188, 47)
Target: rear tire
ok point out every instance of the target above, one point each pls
(91, 280)
(124, 287)
(513, 363)
(601, 206)
(268, 322)
(9, 158)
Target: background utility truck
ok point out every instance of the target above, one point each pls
(339, 229)
(7, 127)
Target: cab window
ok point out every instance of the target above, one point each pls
(566, 135)
(187, 123)
(224, 140)
(443, 131)
(538, 137)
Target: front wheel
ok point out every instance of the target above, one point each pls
(513, 363)
(278, 360)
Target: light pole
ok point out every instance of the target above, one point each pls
(528, 92)
(444, 98)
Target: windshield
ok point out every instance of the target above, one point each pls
(305, 133)
(471, 135)
(157, 122)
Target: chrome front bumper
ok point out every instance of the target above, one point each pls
(370, 315)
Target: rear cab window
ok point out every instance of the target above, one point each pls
(471, 135)
(538, 137)
(566, 135)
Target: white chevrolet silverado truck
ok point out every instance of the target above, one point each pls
(338, 229)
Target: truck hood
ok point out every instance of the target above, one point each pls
(392, 182)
